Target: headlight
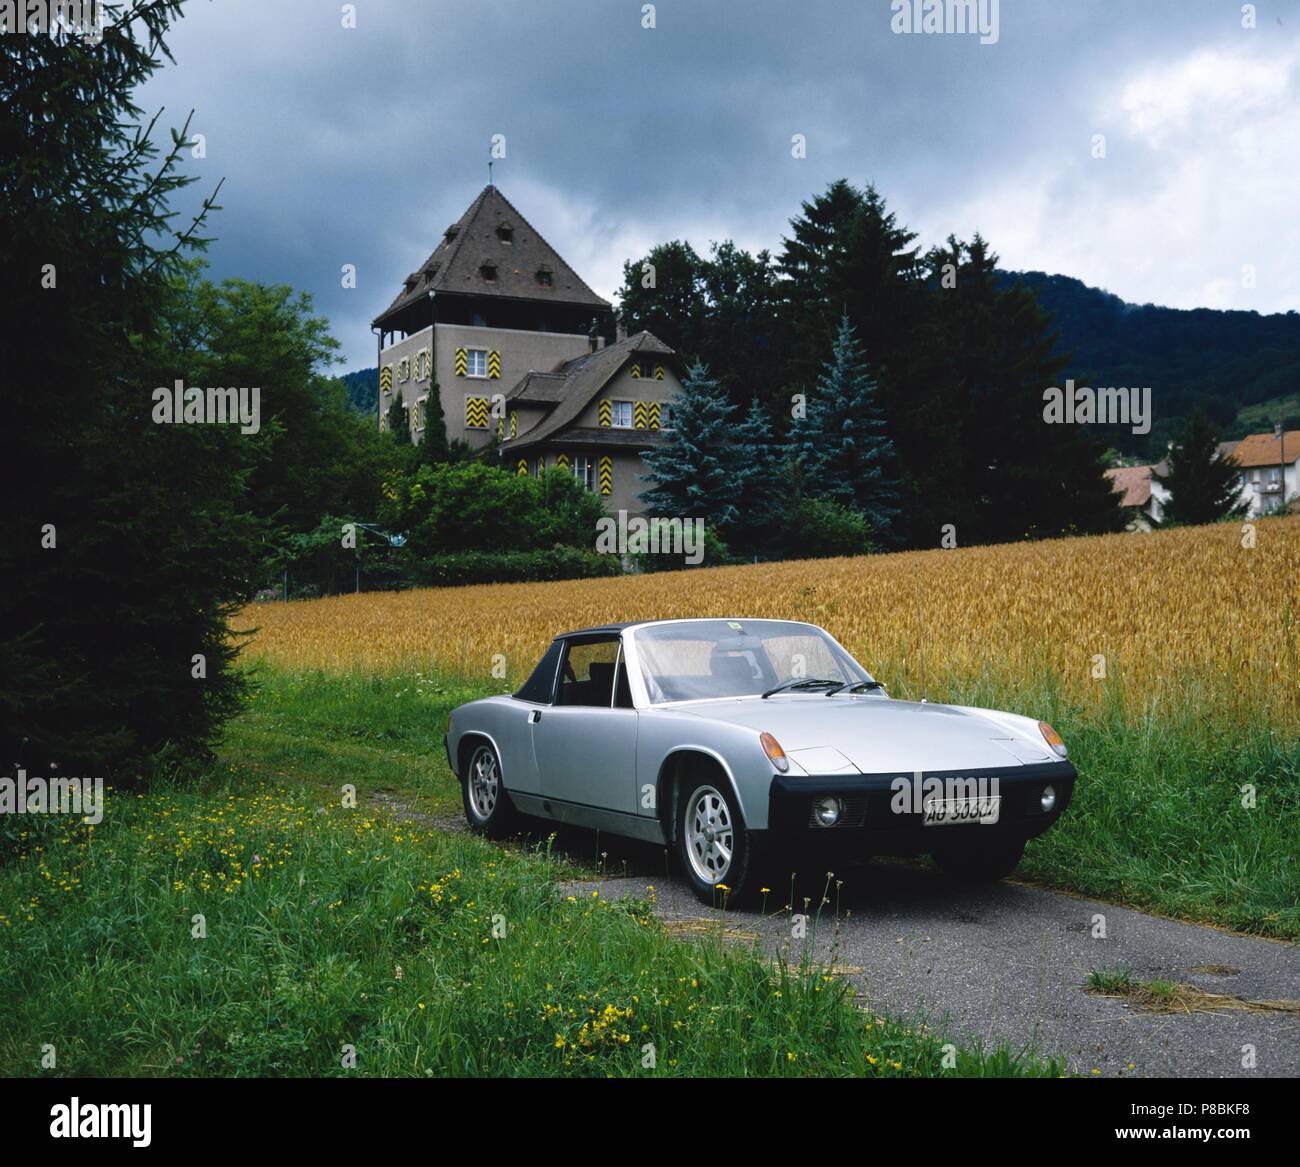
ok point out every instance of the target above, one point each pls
(1053, 739)
(827, 811)
(1048, 800)
(772, 748)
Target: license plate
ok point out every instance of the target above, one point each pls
(951, 812)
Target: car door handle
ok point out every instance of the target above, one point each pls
(534, 716)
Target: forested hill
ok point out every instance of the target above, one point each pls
(363, 389)
(1219, 360)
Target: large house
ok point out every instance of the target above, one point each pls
(521, 350)
(1270, 470)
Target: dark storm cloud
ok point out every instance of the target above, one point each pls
(360, 145)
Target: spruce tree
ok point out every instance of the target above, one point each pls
(1203, 486)
(127, 546)
(763, 482)
(840, 444)
(696, 470)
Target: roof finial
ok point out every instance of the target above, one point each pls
(489, 170)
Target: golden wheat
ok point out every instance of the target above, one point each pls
(1195, 607)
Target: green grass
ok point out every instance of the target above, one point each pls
(1157, 821)
(1261, 418)
(352, 928)
(1176, 811)
(330, 932)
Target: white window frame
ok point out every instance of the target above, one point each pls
(665, 415)
(472, 362)
(588, 477)
(614, 410)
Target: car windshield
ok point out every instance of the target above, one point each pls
(695, 660)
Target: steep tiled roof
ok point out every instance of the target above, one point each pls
(476, 239)
(1133, 483)
(579, 382)
(1262, 449)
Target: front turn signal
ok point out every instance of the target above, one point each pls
(1053, 739)
(772, 748)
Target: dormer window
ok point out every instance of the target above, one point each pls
(450, 233)
(545, 278)
(506, 233)
(489, 272)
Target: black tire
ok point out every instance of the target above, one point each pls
(980, 864)
(709, 803)
(488, 808)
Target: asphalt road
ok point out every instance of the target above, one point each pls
(1009, 963)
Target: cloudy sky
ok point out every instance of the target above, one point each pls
(359, 145)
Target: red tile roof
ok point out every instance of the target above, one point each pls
(1133, 483)
(1262, 449)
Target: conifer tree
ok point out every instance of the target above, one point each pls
(840, 442)
(763, 481)
(1203, 486)
(696, 470)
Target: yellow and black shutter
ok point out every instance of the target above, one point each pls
(606, 412)
(462, 362)
(476, 413)
(640, 415)
(654, 415)
(606, 472)
(494, 365)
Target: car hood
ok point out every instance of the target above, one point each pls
(874, 735)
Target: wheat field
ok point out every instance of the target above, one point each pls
(1194, 615)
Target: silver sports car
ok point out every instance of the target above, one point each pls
(735, 742)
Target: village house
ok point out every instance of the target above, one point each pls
(1142, 492)
(523, 352)
(1270, 470)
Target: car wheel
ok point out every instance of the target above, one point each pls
(717, 853)
(487, 805)
(981, 864)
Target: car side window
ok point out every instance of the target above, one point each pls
(540, 687)
(587, 674)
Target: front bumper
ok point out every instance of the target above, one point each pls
(882, 814)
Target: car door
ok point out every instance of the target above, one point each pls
(584, 744)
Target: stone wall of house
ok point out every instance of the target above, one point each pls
(442, 354)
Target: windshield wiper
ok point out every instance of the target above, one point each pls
(854, 686)
(803, 683)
